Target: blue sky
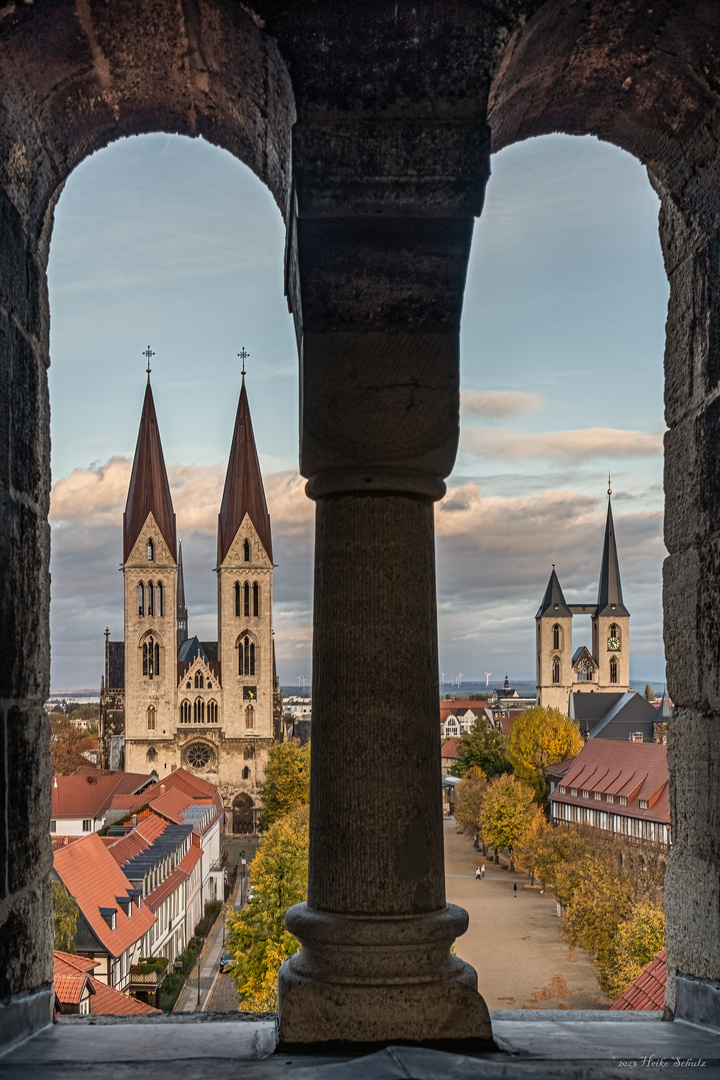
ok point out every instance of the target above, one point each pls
(170, 242)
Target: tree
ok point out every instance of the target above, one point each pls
(649, 696)
(469, 799)
(528, 848)
(287, 780)
(558, 853)
(258, 940)
(601, 897)
(68, 744)
(484, 747)
(65, 917)
(507, 810)
(539, 738)
(637, 941)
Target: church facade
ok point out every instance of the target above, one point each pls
(169, 700)
(605, 666)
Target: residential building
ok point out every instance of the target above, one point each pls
(621, 788)
(80, 801)
(647, 992)
(79, 993)
(626, 716)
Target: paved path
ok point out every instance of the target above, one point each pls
(513, 941)
(208, 962)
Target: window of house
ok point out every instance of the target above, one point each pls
(573, 791)
(623, 800)
(159, 599)
(150, 550)
(87, 825)
(53, 825)
(637, 736)
(246, 551)
(643, 804)
(237, 599)
(141, 599)
(246, 599)
(556, 637)
(556, 671)
(610, 798)
(151, 718)
(562, 789)
(256, 599)
(586, 793)
(598, 795)
(249, 717)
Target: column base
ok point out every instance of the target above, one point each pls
(369, 981)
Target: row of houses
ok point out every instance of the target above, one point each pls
(141, 883)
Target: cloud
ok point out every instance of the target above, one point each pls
(498, 404)
(509, 444)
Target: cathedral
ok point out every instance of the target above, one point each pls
(562, 672)
(169, 700)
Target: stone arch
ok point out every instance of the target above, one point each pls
(243, 814)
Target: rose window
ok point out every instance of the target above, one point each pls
(198, 756)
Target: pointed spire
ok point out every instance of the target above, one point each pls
(182, 611)
(149, 491)
(610, 601)
(553, 602)
(244, 492)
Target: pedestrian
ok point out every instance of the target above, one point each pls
(482, 871)
(478, 875)
(515, 888)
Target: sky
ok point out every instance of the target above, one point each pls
(170, 242)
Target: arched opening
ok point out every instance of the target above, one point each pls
(237, 599)
(556, 637)
(243, 816)
(256, 599)
(556, 670)
(246, 599)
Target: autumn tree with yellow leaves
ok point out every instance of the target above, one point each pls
(507, 810)
(469, 796)
(540, 737)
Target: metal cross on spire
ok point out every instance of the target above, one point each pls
(243, 356)
(609, 485)
(147, 354)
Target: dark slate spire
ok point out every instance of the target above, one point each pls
(182, 611)
(610, 601)
(149, 491)
(553, 602)
(244, 492)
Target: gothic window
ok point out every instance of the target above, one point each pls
(199, 680)
(615, 631)
(585, 671)
(249, 718)
(150, 597)
(246, 664)
(159, 600)
(241, 658)
(157, 658)
(199, 756)
(152, 754)
(209, 685)
(145, 658)
(150, 550)
(237, 599)
(556, 637)
(199, 711)
(212, 712)
(185, 712)
(246, 600)
(256, 599)
(151, 718)
(246, 773)
(246, 551)
(188, 685)
(556, 670)
(613, 670)
(249, 753)
(141, 599)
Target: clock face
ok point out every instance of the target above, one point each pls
(613, 644)
(249, 693)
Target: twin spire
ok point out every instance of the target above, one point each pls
(149, 490)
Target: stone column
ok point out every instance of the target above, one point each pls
(377, 300)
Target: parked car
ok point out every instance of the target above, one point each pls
(225, 960)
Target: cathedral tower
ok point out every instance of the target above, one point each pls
(611, 621)
(553, 646)
(245, 596)
(150, 579)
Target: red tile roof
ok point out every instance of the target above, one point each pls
(90, 874)
(648, 990)
(106, 1001)
(88, 792)
(138, 839)
(71, 975)
(449, 749)
(460, 707)
(632, 770)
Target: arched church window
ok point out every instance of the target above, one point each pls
(556, 636)
(246, 773)
(199, 680)
(199, 711)
(141, 599)
(246, 658)
(159, 600)
(249, 718)
(188, 685)
(237, 599)
(556, 671)
(150, 550)
(252, 657)
(613, 670)
(157, 658)
(151, 718)
(585, 671)
(212, 712)
(185, 712)
(246, 551)
(256, 599)
(150, 597)
(246, 599)
(241, 658)
(152, 754)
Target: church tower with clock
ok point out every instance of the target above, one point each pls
(605, 667)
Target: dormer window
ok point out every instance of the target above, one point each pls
(598, 795)
(623, 800)
(643, 804)
(610, 798)
(573, 791)
(586, 793)
(150, 550)
(562, 789)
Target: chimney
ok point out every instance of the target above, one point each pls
(134, 820)
(162, 788)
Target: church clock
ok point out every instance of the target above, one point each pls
(613, 644)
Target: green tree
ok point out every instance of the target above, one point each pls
(559, 852)
(470, 793)
(287, 780)
(538, 738)
(484, 747)
(68, 744)
(636, 942)
(601, 896)
(507, 810)
(649, 696)
(65, 917)
(258, 940)
(528, 847)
